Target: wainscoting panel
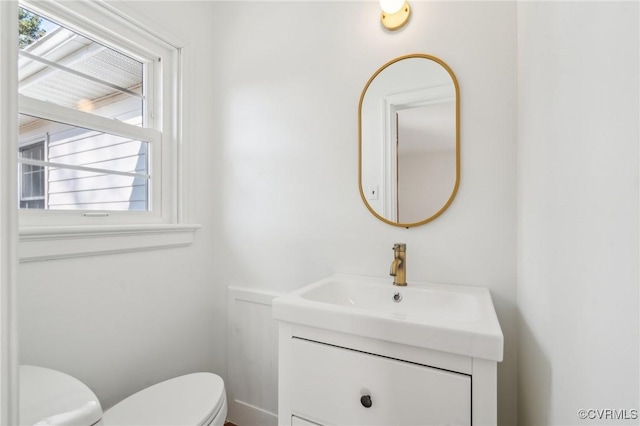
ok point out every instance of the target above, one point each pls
(252, 366)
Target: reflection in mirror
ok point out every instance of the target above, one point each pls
(426, 160)
(409, 140)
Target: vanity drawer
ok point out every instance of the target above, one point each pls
(330, 383)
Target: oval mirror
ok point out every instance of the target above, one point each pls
(409, 140)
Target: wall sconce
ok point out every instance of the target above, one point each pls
(395, 13)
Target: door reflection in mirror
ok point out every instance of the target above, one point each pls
(426, 159)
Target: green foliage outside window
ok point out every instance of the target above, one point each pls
(29, 28)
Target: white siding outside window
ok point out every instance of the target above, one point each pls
(87, 170)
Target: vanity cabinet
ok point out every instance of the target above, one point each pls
(332, 378)
(356, 350)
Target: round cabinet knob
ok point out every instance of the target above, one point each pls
(365, 400)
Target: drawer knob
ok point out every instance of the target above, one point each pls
(365, 400)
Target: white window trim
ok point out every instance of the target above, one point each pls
(50, 243)
(9, 357)
(51, 236)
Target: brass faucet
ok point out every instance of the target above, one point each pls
(399, 264)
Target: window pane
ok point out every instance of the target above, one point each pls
(32, 176)
(85, 169)
(32, 181)
(31, 204)
(60, 66)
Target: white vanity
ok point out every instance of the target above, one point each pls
(359, 351)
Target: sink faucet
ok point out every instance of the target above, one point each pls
(399, 264)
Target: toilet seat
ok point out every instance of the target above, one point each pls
(193, 399)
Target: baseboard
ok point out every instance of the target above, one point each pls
(243, 414)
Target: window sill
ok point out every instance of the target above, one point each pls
(62, 242)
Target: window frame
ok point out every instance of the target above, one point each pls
(98, 232)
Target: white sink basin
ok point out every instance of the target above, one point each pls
(449, 318)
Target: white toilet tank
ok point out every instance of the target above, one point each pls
(50, 397)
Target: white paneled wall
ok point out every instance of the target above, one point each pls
(252, 369)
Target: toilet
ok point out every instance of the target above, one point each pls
(49, 397)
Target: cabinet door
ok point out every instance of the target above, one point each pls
(333, 385)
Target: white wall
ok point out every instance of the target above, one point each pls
(578, 210)
(286, 85)
(123, 322)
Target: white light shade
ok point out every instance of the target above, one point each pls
(391, 6)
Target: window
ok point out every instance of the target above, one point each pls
(105, 97)
(99, 115)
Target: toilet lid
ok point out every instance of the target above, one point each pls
(192, 399)
(50, 397)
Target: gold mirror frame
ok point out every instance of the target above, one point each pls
(457, 139)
